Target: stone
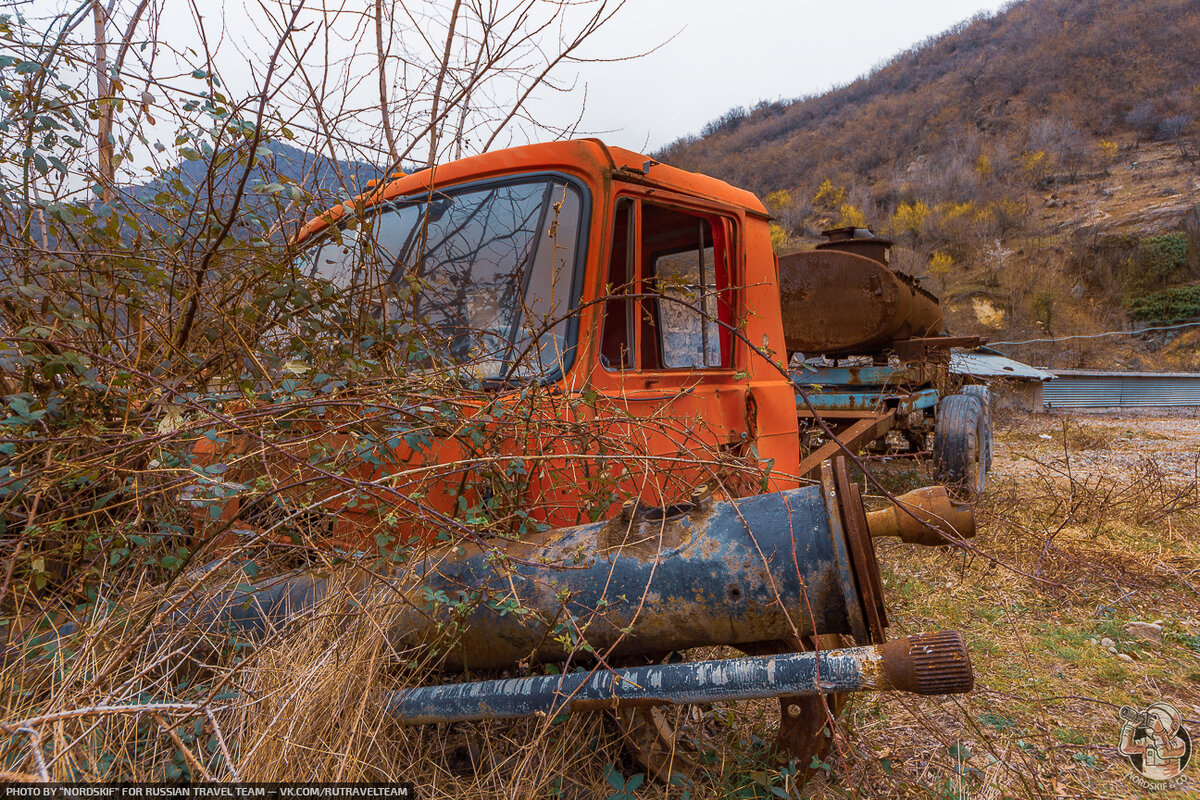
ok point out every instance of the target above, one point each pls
(1146, 631)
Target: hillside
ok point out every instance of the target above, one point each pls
(311, 181)
(1042, 162)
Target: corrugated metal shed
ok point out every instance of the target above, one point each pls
(1079, 388)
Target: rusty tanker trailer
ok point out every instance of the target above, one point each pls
(872, 353)
(843, 298)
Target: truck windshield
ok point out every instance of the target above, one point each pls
(482, 276)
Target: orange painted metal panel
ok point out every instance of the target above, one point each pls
(648, 433)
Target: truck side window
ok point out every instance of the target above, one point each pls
(688, 311)
(668, 290)
(686, 264)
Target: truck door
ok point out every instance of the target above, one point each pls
(668, 358)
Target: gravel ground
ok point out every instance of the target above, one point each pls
(1101, 444)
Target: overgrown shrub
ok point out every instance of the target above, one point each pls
(1161, 256)
(1172, 303)
(182, 386)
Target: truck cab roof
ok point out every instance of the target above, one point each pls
(589, 158)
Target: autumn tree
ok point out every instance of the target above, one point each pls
(940, 266)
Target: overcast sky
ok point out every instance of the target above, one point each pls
(736, 52)
(708, 56)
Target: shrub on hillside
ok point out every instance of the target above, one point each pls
(1161, 256)
(1174, 303)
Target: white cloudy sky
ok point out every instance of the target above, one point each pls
(711, 55)
(735, 52)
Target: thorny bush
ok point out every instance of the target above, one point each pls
(191, 403)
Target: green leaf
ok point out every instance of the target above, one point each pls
(1000, 723)
(28, 67)
(614, 778)
(959, 751)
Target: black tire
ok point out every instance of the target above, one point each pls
(960, 439)
(985, 397)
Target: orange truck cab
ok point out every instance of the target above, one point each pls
(645, 299)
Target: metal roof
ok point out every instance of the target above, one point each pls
(1108, 373)
(989, 364)
(1101, 389)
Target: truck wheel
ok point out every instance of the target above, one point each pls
(984, 394)
(960, 440)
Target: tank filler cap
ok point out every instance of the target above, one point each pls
(848, 232)
(860, 241)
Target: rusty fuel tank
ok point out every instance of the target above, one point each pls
(843, 298)
(646, 583)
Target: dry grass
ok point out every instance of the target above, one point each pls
(1074, 557)
(1071, 557)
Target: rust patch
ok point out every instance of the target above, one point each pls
(638, 539)
(601, 704)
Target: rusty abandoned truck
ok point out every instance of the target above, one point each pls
(647, 300)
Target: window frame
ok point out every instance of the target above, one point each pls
(728, 221)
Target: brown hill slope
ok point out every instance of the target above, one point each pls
(1042, 163)
(1099, 66)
